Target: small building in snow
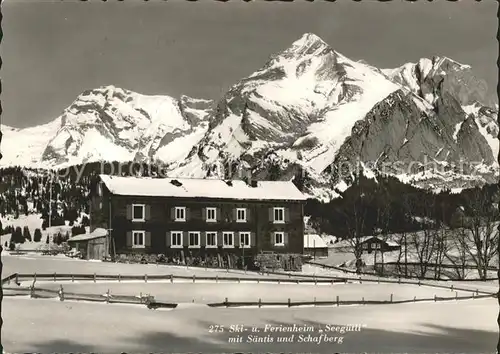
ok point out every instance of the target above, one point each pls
(370, 244)
(315, 246)
(94, 245)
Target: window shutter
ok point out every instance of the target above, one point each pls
(219, 238)
(219, 214)
(236, 239)
(204, 214)
(285, 238)
(188, 213)
(169, 239)
(129, 212)
(273, 239)
(249, 217)
(203, 239)
(185, 239)
(235, 213)
(271, 216)
(129, 238)
(287, 215)
(147, 212)
(253, 240)
(172, 213)
(147, 239)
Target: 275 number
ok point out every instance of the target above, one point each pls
(215, 329)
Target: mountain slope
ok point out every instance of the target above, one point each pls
(308, 108)
(110, 123)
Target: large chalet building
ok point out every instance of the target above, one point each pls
(200, 217)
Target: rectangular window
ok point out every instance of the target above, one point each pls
(194, 239)
(279, 215)
(211, 214)
(138, 212)
(176, 239)
(377, 246)
(138, 239)
(228, 239)
(279, 238)
(244, 239)
(241, 215)
(180, 213)
(211, 239)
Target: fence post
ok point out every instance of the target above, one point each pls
(477, 292)
(363, 300)
(260, 302)
(61, 294)
(32, 290)
(140, 297)
(289, 303)
(239, 280)
(414, 299)
(435, 298)
(473, 295)
(451, 287)
(378, 280)
(315, 281)
(95, 277)
(217, 278)
(171, 278)
(419, 282)
(360, 280)
(456, 296)
(194, 278)
(55, 276)
(119, 278)
(34, 277)
(399, 280)
(72, 278)
(107, 297)
(145, 278)
(338, 302)
(17, 278)
(391, 297)
(226, 302)
(315, 301)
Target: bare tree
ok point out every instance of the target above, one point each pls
(480, 234)
(355, 215)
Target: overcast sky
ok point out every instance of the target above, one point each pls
(52, 51)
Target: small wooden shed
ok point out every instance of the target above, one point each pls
(315, 246)
(94, 245)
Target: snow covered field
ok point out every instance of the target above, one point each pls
(214, 293)
(36, 263)
(451, 327)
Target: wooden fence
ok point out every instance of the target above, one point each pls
(349, 271)
(149, 301)
(61, 277)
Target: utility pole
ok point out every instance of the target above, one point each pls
(50, 200)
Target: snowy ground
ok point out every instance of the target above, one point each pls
(452, 327)
(36, 263)
(33, 221)
(214, 293)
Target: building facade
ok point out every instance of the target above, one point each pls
(198, 217)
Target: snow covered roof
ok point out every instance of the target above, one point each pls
(388, 242)
(99, 232)
(314, 241)
(202, 188)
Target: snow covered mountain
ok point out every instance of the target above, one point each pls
(308, 106)
(109, 123)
